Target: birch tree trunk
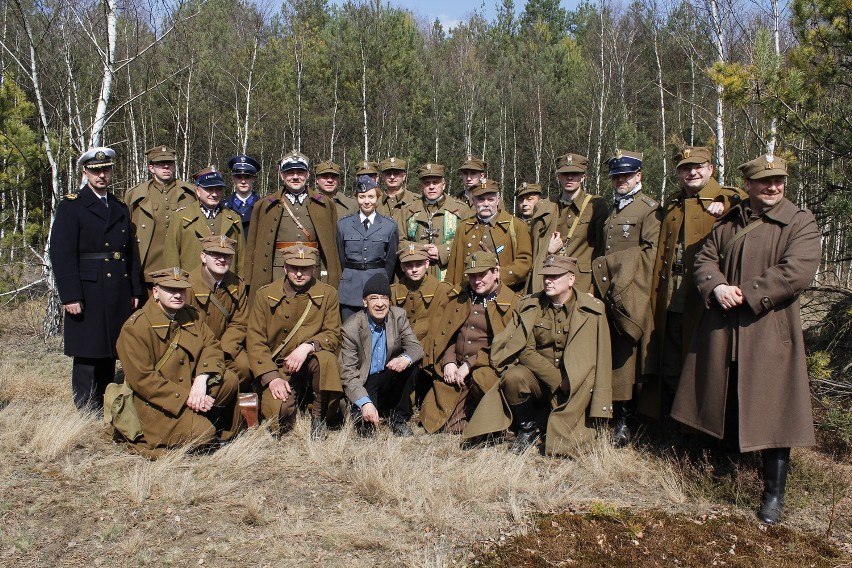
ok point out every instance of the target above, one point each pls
(364, 100)
(776, 33)
(718, 22)
(249, 89)
(662, 115)
(109, 74)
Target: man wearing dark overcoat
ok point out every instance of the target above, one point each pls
(96, 264)
(568, 224)
(745, 376)
(688, 216)
(378, 361)
(294, 215)
(622, 277)
(244, 170)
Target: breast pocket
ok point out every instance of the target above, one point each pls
(543, 332)
(625, 229)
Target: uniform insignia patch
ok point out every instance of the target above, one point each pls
(686, 153)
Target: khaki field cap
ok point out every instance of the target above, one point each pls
(764, 166)
(693, 155)
(96, 158)
(430, 170)
(569, 163)
(528, 189)
(485, 186)
(414, 251)
(170, 278)
(474, 164)
(161, 154)
(327, 167)
(366, 168)
(558, 265)
(219, 243)
(393, 164)
(480, 261)
(300, 255)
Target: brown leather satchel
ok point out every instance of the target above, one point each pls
(248, 408)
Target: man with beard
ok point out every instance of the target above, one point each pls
(244, 170)
(622, 277)
(204, 218)
(492, 230)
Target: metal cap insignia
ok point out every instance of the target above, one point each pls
(687, 152)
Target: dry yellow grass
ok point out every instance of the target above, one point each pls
(70, 496)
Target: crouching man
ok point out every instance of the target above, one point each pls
(378, 361)
(175, 367)
(292, 343)
(562, 379)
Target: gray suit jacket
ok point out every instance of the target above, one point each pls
(356, 348)
(354, 244)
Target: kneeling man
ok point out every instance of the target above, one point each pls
(378, 360)
(176, 369)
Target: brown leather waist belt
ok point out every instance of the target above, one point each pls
(284, 244)
(363, 265)
(102, 255)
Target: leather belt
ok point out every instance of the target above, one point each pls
(363, 265)
(284, 244)
(678, 268)
(115, 255)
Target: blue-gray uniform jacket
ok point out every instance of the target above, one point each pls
(364, 253)
(244, 210)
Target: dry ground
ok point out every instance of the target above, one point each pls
(70, 497)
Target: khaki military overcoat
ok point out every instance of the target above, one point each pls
(441, 400)
(183, 239)
(160, 395)
(772, 265)
(547, 218)
(622, 279)
(151, 220)
(265, 217)
(506, 235)
(421, 304)
(586, 363)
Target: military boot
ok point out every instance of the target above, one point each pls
(621, 432)
(523, 420)
(775, 464)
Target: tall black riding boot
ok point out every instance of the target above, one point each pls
(621, 432)
(523, 420)
(775, 464)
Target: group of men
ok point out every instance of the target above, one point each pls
(544, 324)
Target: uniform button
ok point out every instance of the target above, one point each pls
(286, 316)
(608, 247)
(109, 275)
(182, 360)
(604, 278)
(468, 245)
(180, 380)
(755, 286)
(143, 225)
(708, 277)
(177, 395)
(106, 244)
(204, 364)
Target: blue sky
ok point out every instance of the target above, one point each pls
(451, 12)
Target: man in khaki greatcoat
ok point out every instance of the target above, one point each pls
(327, 175)
(562, 379)
(527, 196)
(175, 367)
(460, 348)
(201, 219)
(622, 277)
(395, 197)
(745, 376)
(568, 224)
(433, 219)
(688, 216)
(471, 171)
(223, 298)
(153, 207)
(291, 216)
(490, 229)
(293, 340)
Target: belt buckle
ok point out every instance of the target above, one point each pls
(116, 255)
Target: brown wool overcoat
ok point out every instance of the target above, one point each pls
(266, 214)
(151, 221)
(183, 239)
(413, 224)
(441, 400)
(505, 233)
(772, 265)
(622, 278)
(160, 395)
(586, 362)
(583, 244)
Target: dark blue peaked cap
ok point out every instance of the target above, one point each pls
(624, 162)
(243, 164)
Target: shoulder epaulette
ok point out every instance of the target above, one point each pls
(179, 209)
(649, 201)
(72, 196)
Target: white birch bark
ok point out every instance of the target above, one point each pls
(662, 114)
(718, 22)
(249, 89)
(776, 33)
(108, 74)
(364, 99)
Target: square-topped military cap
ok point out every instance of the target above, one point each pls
(624, 162)
(366, 167)
(173, 277)
(414, 251)
(295, 160)
(485, 186)
(300, 255)
(568, 163)
(558, 265)
(393, 163)
(219, 243)
(764, 166)
(209, 177)
(480, 261)
(528, 189)
(161, 154)
(430, 170)
(96, 158)
(473, 164)
(693, 155)
(327, 167)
